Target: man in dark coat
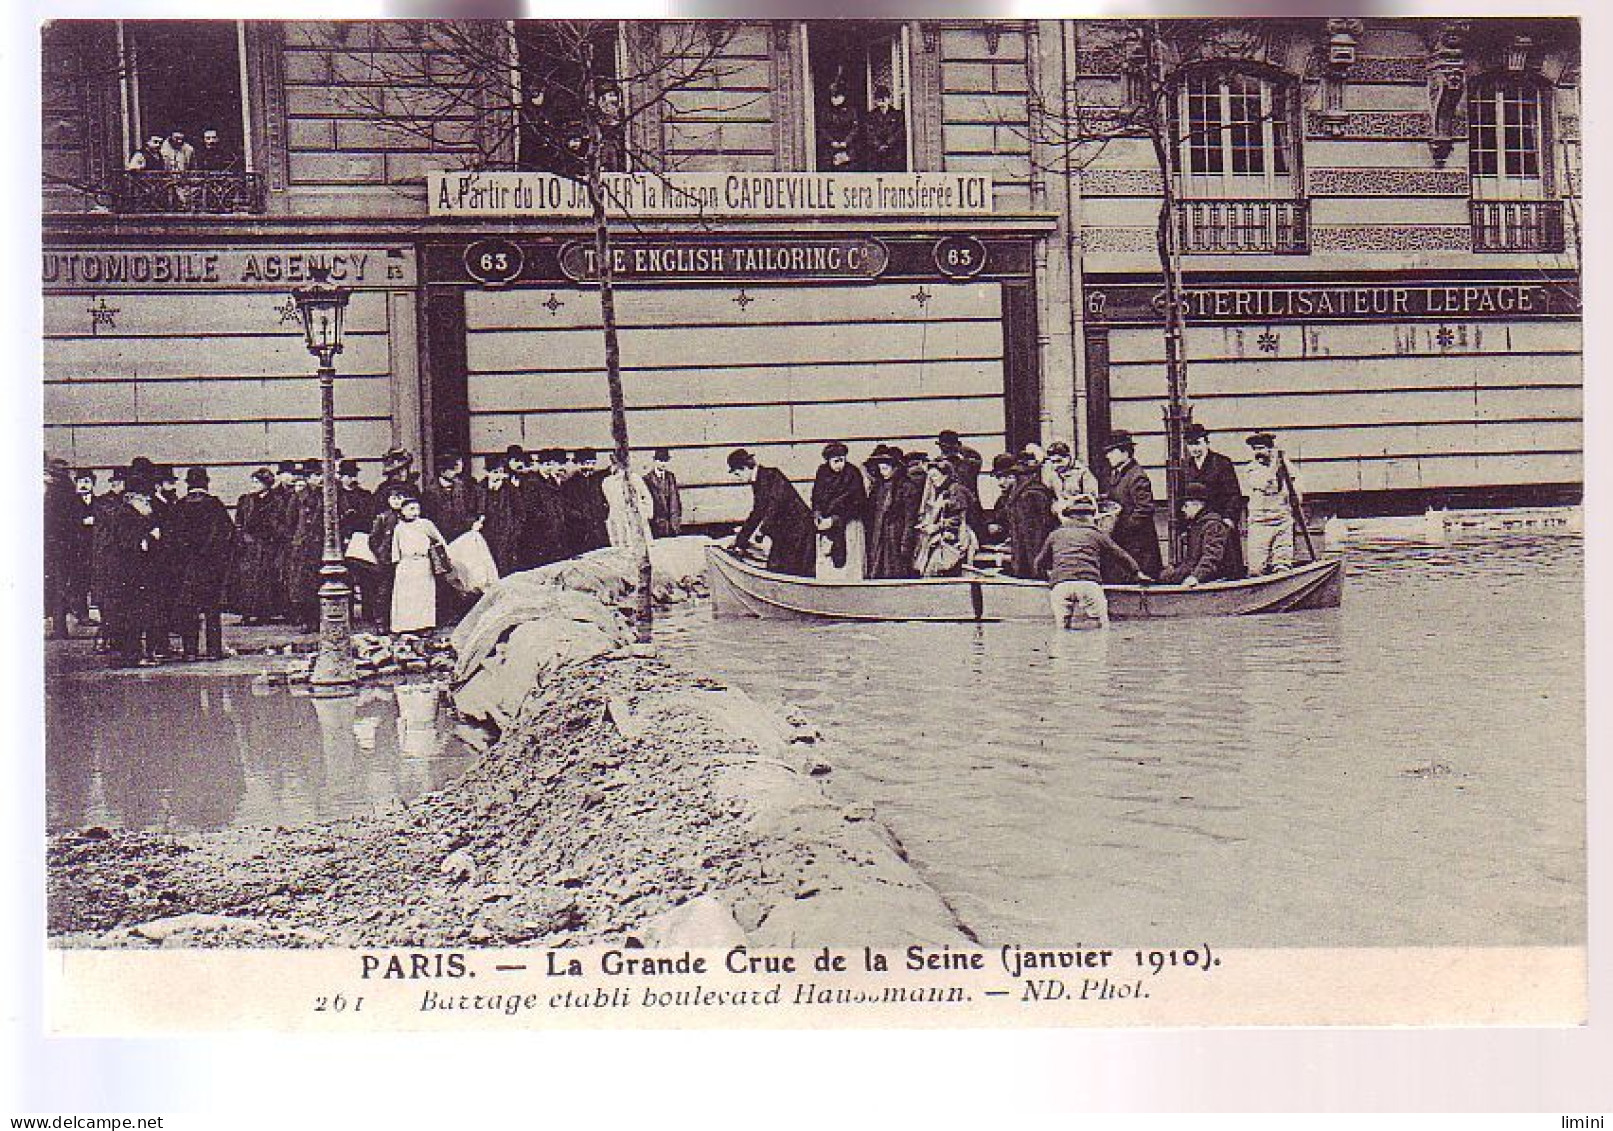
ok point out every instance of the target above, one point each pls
(1025, 513)
(1130, 489)
(107, 504)
(132, 577)
(305, 546)
(666, 517)
(1220, 477)
(450, 499)
(587, 512)
(1209, 541)
(884, 135)
(839, 498)
(202, 539)
(254, 583)
(61, 535)
(503, 515)
(839, 132)
(779, 513)
(546, 535)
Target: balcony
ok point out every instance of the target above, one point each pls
(1518, 225)
(1244, 227)
(140, 191)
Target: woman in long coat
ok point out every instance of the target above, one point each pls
(304, 523)
(1026, 513)
(253, 583)
(414, 583)
(885, 537)
(946, 540)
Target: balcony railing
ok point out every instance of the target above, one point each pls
(1517, 225)
(141, 191)
(1244, 227)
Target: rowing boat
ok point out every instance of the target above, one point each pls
(741, 589)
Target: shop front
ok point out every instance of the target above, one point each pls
(748, 332)
(1425, 384)
(192, 353)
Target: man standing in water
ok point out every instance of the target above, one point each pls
(1072, 558)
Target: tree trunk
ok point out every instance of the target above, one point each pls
(621, 455)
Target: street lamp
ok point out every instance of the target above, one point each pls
(322, 305)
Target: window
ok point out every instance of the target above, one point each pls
(1507, 152)
(858, 96)
(1236, 165)
(1505, 137)
(556, 61)
(1237, 138)
(187, 144)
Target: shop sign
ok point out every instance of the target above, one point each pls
(740, 260)
(1444, 300)
(713, 195)
(220, 269)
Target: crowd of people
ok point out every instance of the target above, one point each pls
(159, 557)
(919, 514)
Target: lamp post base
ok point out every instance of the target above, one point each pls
(334, 672)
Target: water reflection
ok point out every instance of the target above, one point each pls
(1256, 781)
(201, 752)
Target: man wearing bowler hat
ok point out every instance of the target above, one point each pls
(1220, 478)
(1208, 541)
(777, 512)
(1271, 506)
(202, 539)
(1130, 490)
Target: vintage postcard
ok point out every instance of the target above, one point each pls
(922, 522)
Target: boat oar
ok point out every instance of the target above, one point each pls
(1293, 504)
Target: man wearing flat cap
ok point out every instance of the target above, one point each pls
(1271, 508)
(1220, 477)
(1130, 490)
(1072, 559)
(1208, 541)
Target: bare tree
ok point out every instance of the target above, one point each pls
(1147, 62)
(556, 96)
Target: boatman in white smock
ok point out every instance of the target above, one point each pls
(1274, 499)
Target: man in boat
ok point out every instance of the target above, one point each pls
(1209, 541)
(1024, 511)
(966, 465)
(1072, 558)
(1131, 490)
(779, 513)
(1220, 478)
(1273, 499)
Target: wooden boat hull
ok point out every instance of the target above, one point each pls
(740, 589)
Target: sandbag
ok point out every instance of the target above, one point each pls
(472, 561)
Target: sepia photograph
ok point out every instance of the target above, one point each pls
(1071, 499)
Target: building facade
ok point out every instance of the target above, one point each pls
(1377, 222)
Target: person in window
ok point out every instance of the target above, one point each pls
(778, 513)
(839, 132)
(148, 159)
(178, 155)
(613, 144)
(884, 135)
(214, 156)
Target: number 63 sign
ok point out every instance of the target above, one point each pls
(495, 262)
(960, 257)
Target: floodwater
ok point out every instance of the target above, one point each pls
(1406, 770)
(181, 752)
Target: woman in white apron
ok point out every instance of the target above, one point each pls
(414, 585)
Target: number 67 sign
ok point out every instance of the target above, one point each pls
(494, 262)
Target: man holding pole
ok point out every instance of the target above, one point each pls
(1274, 503)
